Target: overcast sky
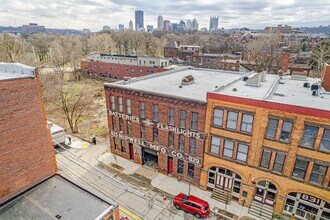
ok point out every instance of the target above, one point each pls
(94, 14)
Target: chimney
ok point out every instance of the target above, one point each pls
(237, 66)
(286, 60)
(326, 77)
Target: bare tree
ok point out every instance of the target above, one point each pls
(11, 48)
(320, 55)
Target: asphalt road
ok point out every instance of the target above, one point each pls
(133, 194)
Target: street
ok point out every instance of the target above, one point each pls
(133, 194)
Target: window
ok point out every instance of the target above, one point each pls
(286, 131)
(247, 121)
(142, 111)
(300, 168)
(132, 70)
(120, 104)
(194, 121)
(228, 148)
(182, 119)
(192, 147)
(123, 148)
(318, 174)
(126, 70)
(180, 167)
(155, 132)
(272, 128)
(143, 131)
(191, 170)
(171, 116)
(121, 124)
(171, 139)
(129, 127)
(128, 107)
(215, 145)
(309, 136)
(265, 160)
(279, 162)
(217, 117)
(111, 67)
(232, 120)
(181, 142)
(115, 144)
(242, 152)
(325, 141)
(141, 71)
(155, 111)
(113, 104)
(114, 126)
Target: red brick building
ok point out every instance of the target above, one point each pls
(27, 154)
(159, 120)
(215, 61)
(121, 66)
(174, 50)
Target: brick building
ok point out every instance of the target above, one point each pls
(268, 145)
(120, 66)
(28, 175)
(159, 120)
(215, 61)
(174, 50)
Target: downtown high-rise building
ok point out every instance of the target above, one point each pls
(189, 24)
(139, 20)
(194, 24)
(160, 23)
(130, 25)
(214, 22)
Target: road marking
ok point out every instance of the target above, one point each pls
(129, 214)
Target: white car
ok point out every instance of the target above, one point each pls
(58, 133)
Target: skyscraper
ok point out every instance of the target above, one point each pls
(160, 22)
(189, 24)
(167, 25)
(121, 27)
(139, 21)
(130, 25)
(182, 25)
(214, 20)
(194, 24)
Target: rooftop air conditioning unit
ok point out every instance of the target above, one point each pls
(306, 85)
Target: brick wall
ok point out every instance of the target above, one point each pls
(251, 172)
(27, 155)
(326, 77)
(111, 70)
(163, 104)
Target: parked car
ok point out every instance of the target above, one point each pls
(58, 133)
(192, 204)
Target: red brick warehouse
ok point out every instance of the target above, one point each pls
(159, 120)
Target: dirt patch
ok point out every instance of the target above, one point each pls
(141, 178)
(117, 166)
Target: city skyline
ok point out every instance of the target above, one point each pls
(249, 13)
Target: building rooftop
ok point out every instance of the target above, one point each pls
(56, 198)
(287, 90)
(168, 83)
(15, 70)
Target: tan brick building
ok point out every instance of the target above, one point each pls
(268, 146)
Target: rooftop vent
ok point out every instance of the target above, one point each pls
(187, 80)
(315, 86)
(315, 93)
(307, 85)
(245, 78)
(254, 80)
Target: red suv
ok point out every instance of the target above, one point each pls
(192, 204)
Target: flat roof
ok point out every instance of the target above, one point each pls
(15, 70)
(168, 83)
(54, 198)
(287, 90)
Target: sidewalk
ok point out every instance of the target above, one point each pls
(77, 143)
(169, 184)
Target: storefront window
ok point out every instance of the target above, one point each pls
(289, 205)
(286, 131)
(247, 121)
(123, 148)
(272, 128)
(232, 120)
(191, 170)
(318, 174)
(215, 145)
(306, 211)
(309, 136)
(115, 144)
(217, 117)
(325, 142)
(211, 177)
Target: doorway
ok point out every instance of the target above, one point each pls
(170, 165)
(131, 151)
(149, 157)
(265, 193)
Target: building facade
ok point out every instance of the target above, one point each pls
(139, 20)
(174, 50)
(268, 151)
(160, 23)
(120, 66)
(214, 23)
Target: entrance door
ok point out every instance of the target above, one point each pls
(265, 193)
(170, 165)
(131, 151)
(223, 182)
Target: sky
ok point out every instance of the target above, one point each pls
(94, 14)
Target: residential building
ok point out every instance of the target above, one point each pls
(150, 28)
(159, 120)
(214, 23)
(167, 25)
(175, 50)
(121, 27)
(30, 186)
(267, 145)
(130, 25)
(215, 61)
(139, 20)
(160, 23)
(123, 66)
